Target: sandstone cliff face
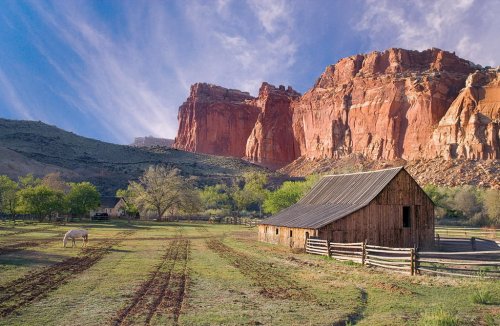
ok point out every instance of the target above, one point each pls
(215, 120)
(390, 105)
(383, 105)
(471, 127)
(272, 142)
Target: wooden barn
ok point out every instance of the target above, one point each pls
(385, 207)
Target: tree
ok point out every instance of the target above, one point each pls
(253, 192)
(41, 201)
(466, 200)
(160, 189)
(82, 198)
(130, 208)
(29, 181)
(55, 182)
(215, 197)
(492, 205)
(288, 194)
(8, 190)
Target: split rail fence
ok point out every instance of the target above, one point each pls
(408, 260)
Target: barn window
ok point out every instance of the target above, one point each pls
(290, 233)
(406, 217)
(277, 231)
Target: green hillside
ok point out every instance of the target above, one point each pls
(38, 148)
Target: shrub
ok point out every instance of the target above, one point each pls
(481, 296)
(439, 317)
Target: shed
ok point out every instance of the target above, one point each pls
(385, 207)
(113, 206)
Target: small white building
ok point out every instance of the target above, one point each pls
(113, 206)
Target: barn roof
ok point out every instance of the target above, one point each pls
(109, 201)
(334, 197)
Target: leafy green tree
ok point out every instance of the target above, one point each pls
(253, 192)
(82, 198)
(288, 194)
(130, 208)
(215, 197)
(8, 190)
(41, 201)
(492, 205)
(29, 181)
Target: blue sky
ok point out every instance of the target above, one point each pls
(115, 70)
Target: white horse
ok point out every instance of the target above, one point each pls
(73, 234)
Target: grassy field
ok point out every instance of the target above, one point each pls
(204, 274)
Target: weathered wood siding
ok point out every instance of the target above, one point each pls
(267, 233)
(381, 222)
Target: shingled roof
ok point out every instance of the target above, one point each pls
(334, 197)
(109, 201)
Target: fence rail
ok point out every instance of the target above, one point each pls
(489, 233)
(466, 263)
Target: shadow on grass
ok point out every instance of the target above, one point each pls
(31, 258)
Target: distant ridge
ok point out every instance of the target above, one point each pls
(38, 148)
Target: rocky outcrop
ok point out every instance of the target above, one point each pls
(391, 105)
(150, 141)
(272, 142)
(215, 120)
(470, 128)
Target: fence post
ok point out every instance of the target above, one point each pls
(439, 242)
(363, 252)
(412, 258)
(328, 248)
(473, 243)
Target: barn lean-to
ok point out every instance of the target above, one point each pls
(385, 207)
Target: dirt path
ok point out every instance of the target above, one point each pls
(36, 285)
(163, 292)
(272, 282)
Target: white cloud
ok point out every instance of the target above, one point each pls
(468, 27)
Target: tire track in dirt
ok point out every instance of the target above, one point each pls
(272, 282)
(163, 292)
(36, 285)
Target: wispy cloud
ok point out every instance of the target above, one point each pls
(466, 26)
(15, 101)
(131, 82)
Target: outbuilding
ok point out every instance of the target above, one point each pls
(385, 207)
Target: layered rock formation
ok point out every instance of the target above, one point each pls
(470, 128)
(272, 142)
(396, 104)
(215, 120)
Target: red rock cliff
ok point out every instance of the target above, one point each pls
(382, 105)
(272, 142)
(470, 128)
(215, 120)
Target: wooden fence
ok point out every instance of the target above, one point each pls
(408, 260)
(461, 232)
(464, 263)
